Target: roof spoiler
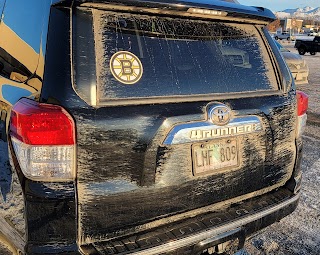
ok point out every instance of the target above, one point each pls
(233, 9)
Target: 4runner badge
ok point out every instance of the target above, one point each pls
(126, 67)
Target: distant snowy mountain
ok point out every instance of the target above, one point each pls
(305, 13)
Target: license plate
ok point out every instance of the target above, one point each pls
(214, 155)
(299, 76)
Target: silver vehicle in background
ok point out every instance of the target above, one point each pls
(297, 65)
(284, 35)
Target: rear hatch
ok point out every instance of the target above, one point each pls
(186, 115)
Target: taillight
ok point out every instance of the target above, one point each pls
(302, 107)
(43, 138)
(302, 102)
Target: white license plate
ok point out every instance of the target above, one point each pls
(298, 77)
(214, 155)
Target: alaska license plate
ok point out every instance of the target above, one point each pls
(215, 155)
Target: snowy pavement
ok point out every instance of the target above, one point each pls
(299, 233)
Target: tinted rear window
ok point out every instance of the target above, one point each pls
(141, 56)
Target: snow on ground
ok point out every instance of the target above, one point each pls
(299, 233)
(10, 195)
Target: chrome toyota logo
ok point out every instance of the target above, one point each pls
(220, 114)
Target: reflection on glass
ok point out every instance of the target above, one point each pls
(22, 40)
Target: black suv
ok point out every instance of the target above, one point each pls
(143, 127)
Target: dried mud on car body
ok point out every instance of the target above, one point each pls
(297, 233)
(109, 200)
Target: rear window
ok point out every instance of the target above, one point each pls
(139, 57)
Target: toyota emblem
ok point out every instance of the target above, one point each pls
(220, 114)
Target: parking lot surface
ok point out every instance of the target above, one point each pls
(299, 232)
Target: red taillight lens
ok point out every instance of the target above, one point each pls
(41, 124)
(302, 102)
(302, 107)
(43, 138)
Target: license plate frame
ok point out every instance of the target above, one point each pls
(207, 157)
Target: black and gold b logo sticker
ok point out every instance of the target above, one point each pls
(126, 67)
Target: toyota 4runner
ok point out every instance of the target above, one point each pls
(143, 127)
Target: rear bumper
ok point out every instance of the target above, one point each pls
(195, 234)
(56, 233)
(52, 222)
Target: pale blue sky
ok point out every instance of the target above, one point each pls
(280, 5)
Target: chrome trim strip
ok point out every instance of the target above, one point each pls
(206, 130)
(194, 239)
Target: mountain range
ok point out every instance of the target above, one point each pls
(304, 13)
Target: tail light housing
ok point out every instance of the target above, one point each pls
(43, 138)
(302, 107)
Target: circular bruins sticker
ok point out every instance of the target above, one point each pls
(126, 67)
